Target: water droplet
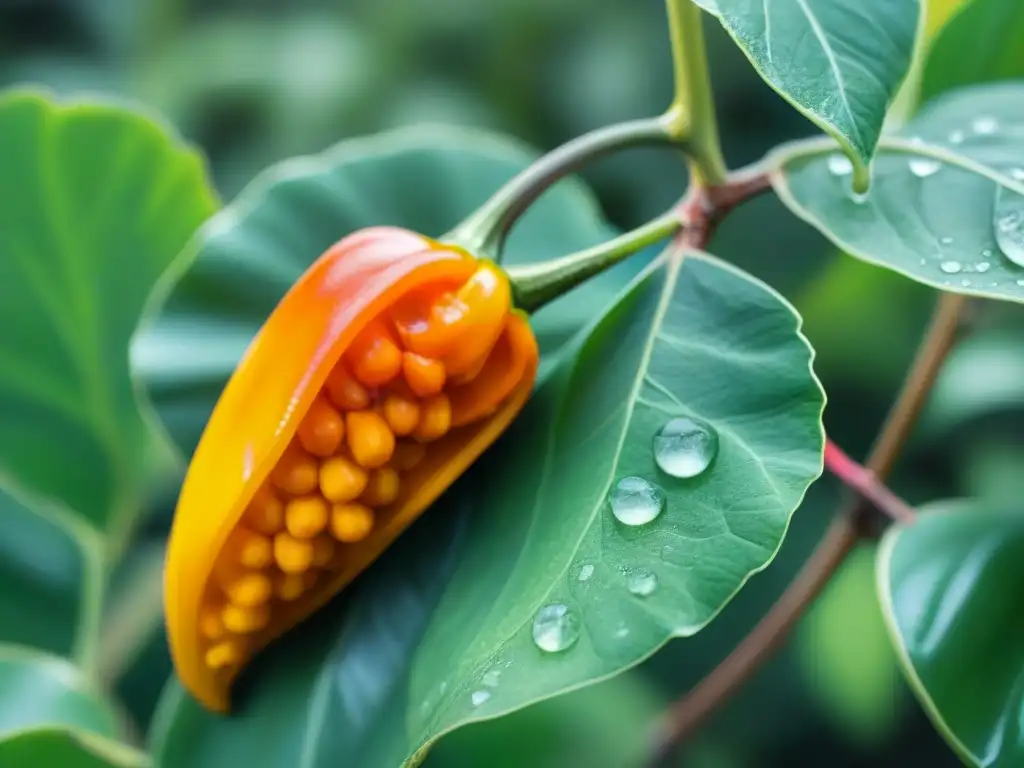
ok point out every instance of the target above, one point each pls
(946, 240)
(1017, 174)
(556, 627)
(923, 167)
(859, 198)
(956, 137)
(1020, 282)
(479, 697)
(839, 165)
(635, 501)
(586, 572)
(965, 282)
(922, 262)
(985, 125)
(642, 582)
(951, 267)
(622, 631)
(491, 678)
(685, 447)
(1010, 228)
(986, 253)
(982, 266)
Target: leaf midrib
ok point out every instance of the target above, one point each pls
(674, 259)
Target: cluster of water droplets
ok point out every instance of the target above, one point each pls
(683, 449)
(1009, 217)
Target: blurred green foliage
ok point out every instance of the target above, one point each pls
(254, 81)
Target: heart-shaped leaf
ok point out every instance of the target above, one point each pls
(49, 715)
(840, 62)
(931, 212)
(522, 583)
(42, 563)
(980, 44)
(96, 201)
(950, 590)
(245, 259)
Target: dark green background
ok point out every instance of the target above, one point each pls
(253, 81)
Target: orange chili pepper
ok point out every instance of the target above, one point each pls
(339, 427)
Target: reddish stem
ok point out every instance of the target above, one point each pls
(865, 483)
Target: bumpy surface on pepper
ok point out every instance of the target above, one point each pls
(378, 379)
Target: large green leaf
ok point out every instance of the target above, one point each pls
(95, 201)
(42, 564)
(931, 211)
(981, 43)
(950, 590)
(50, 716)
(441, 632)
(840, 62)
(245, 259)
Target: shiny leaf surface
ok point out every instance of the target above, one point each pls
(949, 586)
(931, 212)
(840, 62)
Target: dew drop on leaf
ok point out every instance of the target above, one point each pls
(491, 678)
(1010, 228)
(636, 501)
(923, 167)
(951, 267)
(642, 582)
(985, 125)
(685, 447)
(556, 627)
(479, 697)
(956, 137)
(586, 571)
(1017, 174)
(946, 241)
(839, 165)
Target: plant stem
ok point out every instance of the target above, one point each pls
(484, 232)
(687, 714)
(534, 285)
(864, 482)
(692, 113)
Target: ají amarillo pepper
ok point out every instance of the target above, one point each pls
(378, 379)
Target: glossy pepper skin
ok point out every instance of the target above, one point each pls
(379, 378)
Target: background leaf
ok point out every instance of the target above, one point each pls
(949, 586)
(981, 43)
(947, 237)
(96, 201)
(43, 574)
(840, 62)
(50, 716)
(455, 601)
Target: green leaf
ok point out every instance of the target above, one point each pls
(980, 44)
(950, 587)
(931, 208)
(982, 377)
(61, 748)
(245, 259)
(50, 716)
(96, 201)
(42, 563)
(439, 633)
(840, 62)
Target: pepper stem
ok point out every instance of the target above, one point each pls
(484, 232)
(534, 285)
(692, 113)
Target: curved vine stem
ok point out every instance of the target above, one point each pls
(484, 232)
(690, 712)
